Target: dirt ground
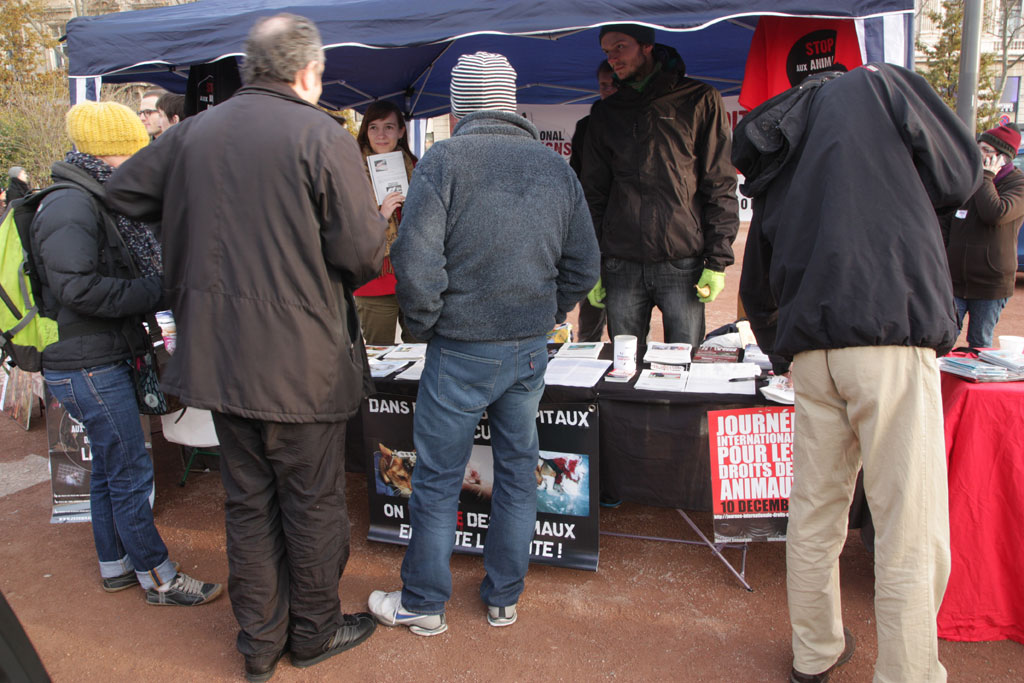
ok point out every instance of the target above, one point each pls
(654, 610)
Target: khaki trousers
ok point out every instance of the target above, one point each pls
(879, 407)
(378, 316)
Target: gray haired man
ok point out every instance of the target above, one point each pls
(483, 281)
(269, 227)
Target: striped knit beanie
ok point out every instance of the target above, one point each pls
(106, 129)
(483, 81)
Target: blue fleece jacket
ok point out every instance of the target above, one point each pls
(496, 241)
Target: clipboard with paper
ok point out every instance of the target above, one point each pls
(387, 174)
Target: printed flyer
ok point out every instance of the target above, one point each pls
(751, 472)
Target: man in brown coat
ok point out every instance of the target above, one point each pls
(268, 227)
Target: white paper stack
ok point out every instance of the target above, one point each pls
(1008, 359)
(669, 354)
(580, 350)
(407, 352)
(575, 372)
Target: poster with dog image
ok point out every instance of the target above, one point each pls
(566, 532)
(751, 472)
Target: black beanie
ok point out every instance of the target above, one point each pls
(643, 34)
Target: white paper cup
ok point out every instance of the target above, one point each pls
(624, 352)
(1009, 342)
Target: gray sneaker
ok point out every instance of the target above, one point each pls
(185, 592)
(501, 616)
(387, 608)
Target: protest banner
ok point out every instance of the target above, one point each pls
(566, 531)
(71, 463)
(751, 472)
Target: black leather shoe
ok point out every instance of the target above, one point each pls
(851, 645)
(261, 668)
(355, 628)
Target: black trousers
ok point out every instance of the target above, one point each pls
(287, 530)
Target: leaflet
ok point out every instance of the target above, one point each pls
(575, 372)
(673, 354)
(387, 174)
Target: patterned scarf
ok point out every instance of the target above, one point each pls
(141, 242)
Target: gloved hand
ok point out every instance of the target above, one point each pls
(596, 296)
(710, 285)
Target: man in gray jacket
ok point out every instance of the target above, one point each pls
(496, 246)
(269, 225)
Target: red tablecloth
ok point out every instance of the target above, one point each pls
(985, 453)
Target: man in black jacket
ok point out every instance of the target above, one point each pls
(661, 189)
(844, 273)
(268, 226)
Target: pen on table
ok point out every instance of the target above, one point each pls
(742, 379)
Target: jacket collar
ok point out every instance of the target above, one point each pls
(266, 86)
(495, 122)
(62, 171)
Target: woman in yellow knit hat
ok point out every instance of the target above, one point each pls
(100, 274)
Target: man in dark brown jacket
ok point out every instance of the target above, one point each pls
(981, 238)
(661, 188)
(268, 227)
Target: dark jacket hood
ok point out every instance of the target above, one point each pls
(765, 139)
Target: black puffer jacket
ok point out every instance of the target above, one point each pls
(656, 170)
(85, 281)
(844, 248)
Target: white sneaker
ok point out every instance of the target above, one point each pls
(501, 616)
(387, 608)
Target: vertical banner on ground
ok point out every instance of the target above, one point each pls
(71, 463)
(751, 472)
(566, 531)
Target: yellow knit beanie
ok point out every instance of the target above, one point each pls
(106, 129)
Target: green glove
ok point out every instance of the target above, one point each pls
(710, 285)
(596, 296)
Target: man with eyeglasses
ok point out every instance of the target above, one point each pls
(148, 112)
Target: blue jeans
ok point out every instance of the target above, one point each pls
(984, 314)
(460, 380)
(634, 289)
(102, 398)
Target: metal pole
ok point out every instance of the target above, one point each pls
(970, 57)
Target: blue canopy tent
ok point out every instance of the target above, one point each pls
(403, 50)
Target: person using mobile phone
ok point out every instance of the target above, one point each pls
(981, 238)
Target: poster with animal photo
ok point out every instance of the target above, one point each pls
(70, 464)
(566, 531)
(751, 472)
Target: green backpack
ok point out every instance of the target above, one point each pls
(25, 330)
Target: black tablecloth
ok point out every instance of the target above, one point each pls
(654, 444)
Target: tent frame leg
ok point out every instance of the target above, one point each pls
(716, 548)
